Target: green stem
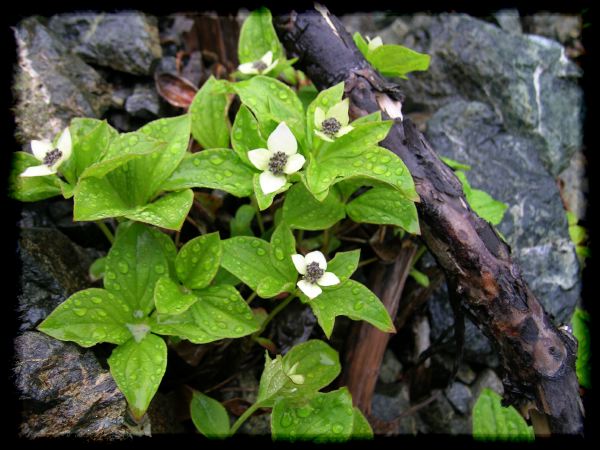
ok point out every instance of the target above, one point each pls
(419, 253)
(259, 220)
(368, 261)
(250, 298)
(109, 235)
(273, 313)
(238, 423)
(325, 245)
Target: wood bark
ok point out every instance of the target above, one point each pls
(537, 358)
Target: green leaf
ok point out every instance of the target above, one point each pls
(351, 299)
(301, 210)
(208, 111)
(225, 277)
(89, 317)
(419, 277)
(219, 313)
(493, 422)
(265, 200)
(135, 262)
(30, 189)
(397, 61)
(373, 117)
(257, 37)
(169, 211)
(240, 225)
(360, 42)
(455, 165)
(571, 218)
(249, 259)
(245, 135)
(272, 102)
(217, 168)
(97, 269)
(198, 261)
(209, 416)
(357, 154)
(323, 417)
(387, 206)
(307, 94)
(344, 264)
(325, 100)
(138, 368)
(582, 324)
(283, 246)
(306, 368)
(90, 139)
(481, 202)
(169, 298)
(361, 429)
(578, 234)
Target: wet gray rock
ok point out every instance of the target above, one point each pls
(527, 79)
(390, 367)
(460, 396)
(143, 102)
(466, 374)
(294, 325)
(562, 27)
(52, 85)
(486, 379)
(66, 391)
(128, 41)
(509, 20)
(508, 167)
(575, 188)
(52, 269)
(440, 417)
(389, 402)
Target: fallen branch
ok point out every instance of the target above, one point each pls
(538, 360)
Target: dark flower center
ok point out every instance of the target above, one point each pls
(331, 126)
(277, 163)
(51, 157)
(313, 272)
(259, 65)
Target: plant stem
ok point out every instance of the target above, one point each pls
(259, 220)
(106, 231)
(238, 423)
(368, 261)
(325, 245)
(250, 298)
(273, 313)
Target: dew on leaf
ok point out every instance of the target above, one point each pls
(358, 305)
(260, 252)
(286, 420)
(337, 428)
(80, 311)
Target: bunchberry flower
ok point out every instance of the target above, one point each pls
(262, 65)
(313, 266)
(374, 43)
(334, 122)
(279, 159)
(51, 156)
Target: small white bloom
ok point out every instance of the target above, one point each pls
(279, 159)
(332, 123)
(262, 65)
(51, 156)
(374, 43)
(313, 266)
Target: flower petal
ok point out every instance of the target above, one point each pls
(260, 158)
(311, 290)
(323, 136)
(270, 183)
(344, 130)
(270, 66)
(282, 140)
(299, 263)
(37, 171)
(64, 145)
(294, 163)
(40, 148)
(374, 43)
(317, 257)
(267, 58)
(247, 68)
(328, 279)
(339, 111)
(319, 117)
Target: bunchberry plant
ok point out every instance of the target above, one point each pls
(325, 168)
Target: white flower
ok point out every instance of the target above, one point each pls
(333, 123)
(313, 266)
(262, 65)
(51, 156)
(281, 159)
(374, 43)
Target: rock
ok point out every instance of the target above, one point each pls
(67, 391)
(508, 167)
(293, 326)
(574, 185)
(562, 27)
(466, 374)
(144, 102)
(460, 396)
(390, 368)
(258, 424)
(487, 379)
(509, 20)
(439, 417)
(526, 79)
(389, 402)
(128, 42)
(367, 24)
(53, 268)
(51, 85)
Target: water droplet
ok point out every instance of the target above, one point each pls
(399, 171)
(238, 329)
(111, 275)
(196, 162)
(254, 243)
(98, 334)
(286, 420)
(325, 101)
(219, 176)
(337, 428)
(123, 267)
(194, 260)
(227, 173)
(222, 325)
(96, 300)
(385, 159)
(159, 268)
(216, 160)
(279, 254)
(304, 411)
(260, 252)
(379, 170)
(80, 311)
(358, 305)
(357, 163)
